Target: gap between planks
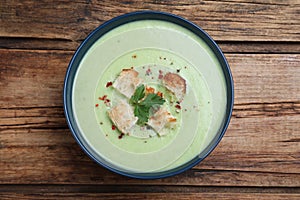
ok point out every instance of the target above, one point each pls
(243, 110)
(25, 43)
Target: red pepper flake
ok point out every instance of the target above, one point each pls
(96, 105)
(103, 97)
(105, 100)
(121, 135)
(178, 106)
(108, 84)
(113, 127)
(134, 56)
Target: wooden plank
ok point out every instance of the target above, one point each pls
(234, 20)
(38, 43)
(258, 78)
(151, 196)
(259, 144)
(30, 78)
(35, 117)
(265, 78)
(103, 188)
(139, 191)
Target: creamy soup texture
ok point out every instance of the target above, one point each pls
(152, 48)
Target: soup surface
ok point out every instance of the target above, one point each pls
(153, 48)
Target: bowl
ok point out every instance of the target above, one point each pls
(151, 45)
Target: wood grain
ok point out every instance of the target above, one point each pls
(224, 20)
(37, 82)
(140, 191)
(260, 148)
(259, 156)
(96, 188)
(151, 196)
(244, 157)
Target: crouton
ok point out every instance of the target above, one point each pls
(127, 82)
(176, 84)
(160, 120)
(122, 116)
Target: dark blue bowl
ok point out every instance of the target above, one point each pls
(130, 17)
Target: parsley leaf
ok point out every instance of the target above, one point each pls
(142, 113)
(138, 95)
(142, 106)
(152, 99)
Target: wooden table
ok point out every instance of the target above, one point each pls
(259, 157)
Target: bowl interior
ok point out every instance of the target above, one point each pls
(157, 39)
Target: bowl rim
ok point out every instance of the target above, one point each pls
(136, 16)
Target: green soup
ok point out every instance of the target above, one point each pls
(150, 47)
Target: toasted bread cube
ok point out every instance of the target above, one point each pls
(176, 84)
(127, 82)
(123, 117)
(161, 119)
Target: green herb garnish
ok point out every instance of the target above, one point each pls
(143, 105)
(138, 95)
